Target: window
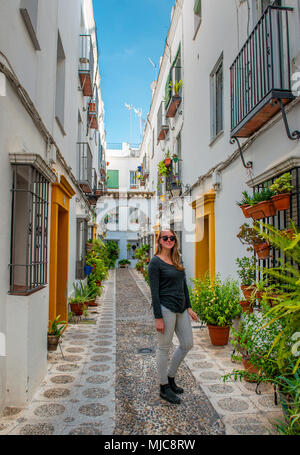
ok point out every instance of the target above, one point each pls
(113, 179)
(197, 15)
(29, 12)
(60, 84)
(174, 76)
(133, 179)
(216, 97)
(260, 6)
(29, 230)
(81, 239)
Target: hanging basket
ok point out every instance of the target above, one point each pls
(263, 209)
(245, 210)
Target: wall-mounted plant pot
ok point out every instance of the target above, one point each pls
(173, 106)
(246, 306)
(262, 250)
(282, 201)
(88, 269)
(167, 162)
(248, 291)
(263, 209)
(218, 335)
(245, 211)
(93, 302)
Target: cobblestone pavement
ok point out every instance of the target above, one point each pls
(103, 385)
(241, 409)
(77, 396)
(139, 409)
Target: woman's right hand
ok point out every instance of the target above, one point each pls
(160, 326)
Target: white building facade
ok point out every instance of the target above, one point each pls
(52, 143)
(237, 62)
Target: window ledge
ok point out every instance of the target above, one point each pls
(26, 293)
(220, 133)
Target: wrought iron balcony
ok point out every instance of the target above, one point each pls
(162, 124)
(93, 113)
(260, 74)
(85, 158)
(86, 64)
(173, 182)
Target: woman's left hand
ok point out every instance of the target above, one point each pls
(193, 315)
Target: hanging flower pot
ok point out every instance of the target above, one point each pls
(282, 201)
(168, 162)
(260, 210)
(262, 250)
(245, 210)
(98, 283)
(218, 335)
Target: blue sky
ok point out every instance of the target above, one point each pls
(129, 31)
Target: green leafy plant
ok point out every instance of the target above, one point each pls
(175, 86)
(246, 199)
(124, 262)
(216, 302)
(57, 327)
(282, 184)
(247, 270)
(264, 195)
(249, 235)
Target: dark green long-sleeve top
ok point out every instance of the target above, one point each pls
(168, 287)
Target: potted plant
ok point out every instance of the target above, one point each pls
(251, 236)
(55, 333)
(216, 303)
(282, 188)
(261, 205)
(123, 263)
(167, 159)
(175, 98)
(245, 203)
(247, 274)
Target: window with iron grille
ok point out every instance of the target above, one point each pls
(282, 219)
(82, 236)
(29, 230)
(216, 96)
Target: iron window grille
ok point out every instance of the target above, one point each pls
(282, 219)
(29, 230)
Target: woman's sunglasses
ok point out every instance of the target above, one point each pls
(166, 237)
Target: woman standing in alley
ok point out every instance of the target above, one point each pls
(172, 308)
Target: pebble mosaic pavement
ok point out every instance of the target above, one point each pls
(104, 386)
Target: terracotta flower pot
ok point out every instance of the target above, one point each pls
(93, 303)
(168, 162)
(218, 335)
(245, 210)
(248, 291)
(53, 342)
(246, 306)
(98, 283)
(282, 201)
(262, 250)
(77, 308)
(263, 209)
(249, 368)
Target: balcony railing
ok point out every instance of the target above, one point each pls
(93, 113)
(173, 181)
(162, 124)
(260, 74)
(86, 64)
(85, 176)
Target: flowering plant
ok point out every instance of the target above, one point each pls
(216, 302)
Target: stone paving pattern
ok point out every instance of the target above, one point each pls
(104, 386)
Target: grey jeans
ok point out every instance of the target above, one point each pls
(180, 324)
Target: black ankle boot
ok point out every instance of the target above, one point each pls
(174, 386)
(167, 394)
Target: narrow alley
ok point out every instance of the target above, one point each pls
(104, 381)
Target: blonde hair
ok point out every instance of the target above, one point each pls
(174, 253)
